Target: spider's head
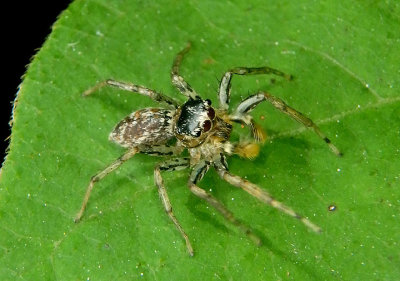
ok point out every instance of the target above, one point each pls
(194, 121)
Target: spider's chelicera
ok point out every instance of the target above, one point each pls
(204, 131)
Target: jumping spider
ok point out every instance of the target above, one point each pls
(204, 131)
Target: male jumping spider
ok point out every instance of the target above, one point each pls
(204, 131)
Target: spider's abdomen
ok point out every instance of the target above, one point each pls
(149, 126)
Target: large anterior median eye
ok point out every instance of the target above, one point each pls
(206, 126)
(211, 113)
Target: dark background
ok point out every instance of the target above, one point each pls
(25, 25)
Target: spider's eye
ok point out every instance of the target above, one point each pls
(206, 125)
(208, 101)
(211, 113)
(197, 134)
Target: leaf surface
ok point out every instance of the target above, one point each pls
(344, 57)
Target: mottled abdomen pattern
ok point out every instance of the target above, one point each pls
(149, 126)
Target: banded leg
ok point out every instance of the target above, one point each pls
(158, 97)
(257, 131)
(224, 91)
(113, 166)
(160, 150)
(198, 172)
(177, 79)
(261, 195)
(171, 165)
(251, 102)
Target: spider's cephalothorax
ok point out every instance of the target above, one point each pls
(194, 122)
(204, 131)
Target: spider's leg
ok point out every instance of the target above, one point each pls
(177, 79)
(245, 119)
(241, 116)
(171, 165)
(160, 150)
(224, 90)
(198, 172)
(249, 103)
(126, 156)
(260, 194)
(158, 97)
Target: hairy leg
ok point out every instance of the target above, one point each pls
(224, 90)
(171, 165)
(260, 194)
(110, 168)
(198, 172)
(158, 97)
(252, 101)
(177, 79)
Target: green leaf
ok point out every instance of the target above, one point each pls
(345, 59)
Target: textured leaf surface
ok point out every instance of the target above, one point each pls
(345, 59)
